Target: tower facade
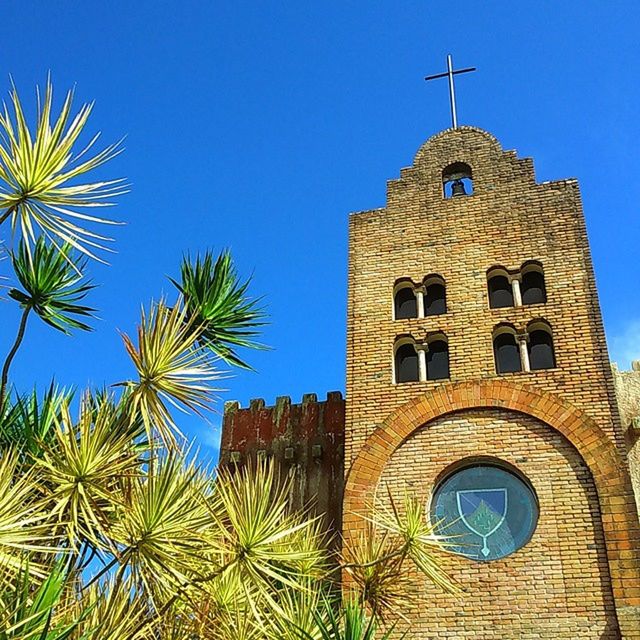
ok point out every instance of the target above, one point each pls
(478, 376)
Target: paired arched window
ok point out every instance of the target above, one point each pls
(406, 363)
(506, 349)
(421, 361)
(404, 301)
(418, 301)
(532, 284)
(457, 180)
(514, 289)
(531, 350)
(540, 346)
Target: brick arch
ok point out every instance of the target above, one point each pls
(485, 137)
(615, 495)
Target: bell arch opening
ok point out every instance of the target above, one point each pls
(457, 180)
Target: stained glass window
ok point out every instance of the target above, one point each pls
(487, 511)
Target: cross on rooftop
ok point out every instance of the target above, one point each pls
(452, 90)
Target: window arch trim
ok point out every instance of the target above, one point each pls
(509, 359)
(400, 343)
(401, 285)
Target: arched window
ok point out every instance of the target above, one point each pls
(457, 180)
(500, 290)
(438, 358)
(435, 297)
(405, 304)
(506, 350)
(532, 284)
(540, 346)
(406, 363)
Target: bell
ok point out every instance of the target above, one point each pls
(457, 188)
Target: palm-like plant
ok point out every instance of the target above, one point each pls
(83, 469)
(417, 537)
(171, 368)
(185, 554)
(27, 423)
(39, 171)
(216, 301)
(346, 621)
(38, 614)
(52, 287)
(257, 529)
(374, 565)
(162, 534)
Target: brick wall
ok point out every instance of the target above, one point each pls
(508, 220)
(556, 586)
(306, 440)
(627, 385)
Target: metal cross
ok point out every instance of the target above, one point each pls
(452, 90)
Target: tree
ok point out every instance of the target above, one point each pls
(110, 527)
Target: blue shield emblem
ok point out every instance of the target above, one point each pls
(483, 511)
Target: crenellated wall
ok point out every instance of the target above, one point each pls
(306, 440)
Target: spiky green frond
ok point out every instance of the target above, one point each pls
(374, 566)
(84, 468)
(27, 423)
(216, 301)
(163, 534)
(410, 522)
(38, 612)
(346, 621)
(171, 368)
(113, 610)
(302, 609)
(257, 528)
(23, 518)
(40, 170)
(52, 285)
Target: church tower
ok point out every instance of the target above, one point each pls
(478, 376)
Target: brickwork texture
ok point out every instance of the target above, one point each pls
(560, 428)
(564, 419)
(305, 440)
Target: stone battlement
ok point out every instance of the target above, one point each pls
(259, 403)
(306, 440)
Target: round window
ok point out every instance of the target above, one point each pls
(486, 511)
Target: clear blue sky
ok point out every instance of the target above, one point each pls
(260, 125)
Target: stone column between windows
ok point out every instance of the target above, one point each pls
(524, 352)
(517, 293)
(422, 361)
(420, 291)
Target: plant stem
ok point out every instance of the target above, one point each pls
(401, 551)
(100, 573)
(12, 353)
(182, 589)
(7, 213)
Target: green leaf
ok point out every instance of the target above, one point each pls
(39, 171)
(216, 300)
(52, 284)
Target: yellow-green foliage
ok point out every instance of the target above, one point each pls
(110, 527)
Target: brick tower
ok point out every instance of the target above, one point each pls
(478, 375)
